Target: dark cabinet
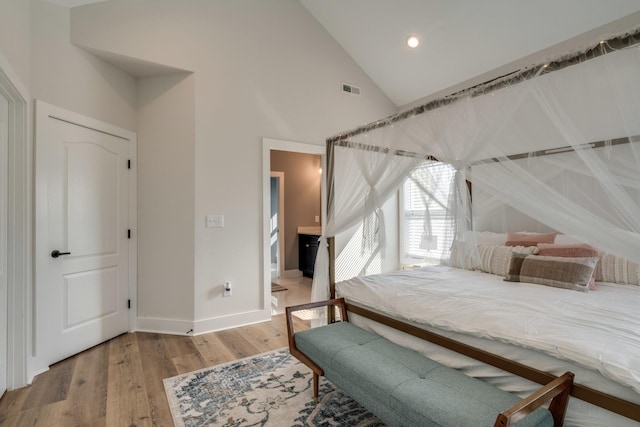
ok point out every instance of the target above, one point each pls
(307, 251)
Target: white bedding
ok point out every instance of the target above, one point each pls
(595, 331)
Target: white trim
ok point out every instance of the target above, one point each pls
(19, 292)
(60, 113)
(281, 230)
(214, 324)
(164, 326)
(133, 226)
(269, 144)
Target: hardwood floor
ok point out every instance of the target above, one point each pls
(119, 383)
(298, 292)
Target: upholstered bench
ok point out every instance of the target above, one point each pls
(405, 388)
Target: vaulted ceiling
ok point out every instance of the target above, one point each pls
(462, 42)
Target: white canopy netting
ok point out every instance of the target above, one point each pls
(557, 143)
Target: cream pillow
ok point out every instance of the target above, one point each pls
(616, 269)
(495, 259)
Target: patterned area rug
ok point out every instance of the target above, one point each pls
(271, 389)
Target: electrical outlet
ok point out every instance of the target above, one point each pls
(227, 290)
(317, 218)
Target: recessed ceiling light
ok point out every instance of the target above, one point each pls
(413, 41)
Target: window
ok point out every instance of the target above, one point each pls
(426, 230)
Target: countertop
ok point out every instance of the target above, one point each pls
(313, 230)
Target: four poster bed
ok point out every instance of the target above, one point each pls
(481, 310)
(539, 331)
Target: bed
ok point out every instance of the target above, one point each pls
(531, 151)
(594, 334)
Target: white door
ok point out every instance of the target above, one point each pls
(81, 233)
(4, 177)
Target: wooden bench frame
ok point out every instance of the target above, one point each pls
(557, 390)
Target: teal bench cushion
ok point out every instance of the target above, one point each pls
(403, 387)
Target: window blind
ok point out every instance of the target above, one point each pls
(427, 229)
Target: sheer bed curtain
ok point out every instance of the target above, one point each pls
(561, 148)
(368, 175)
(590, 189)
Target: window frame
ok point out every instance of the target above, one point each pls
(406, 255)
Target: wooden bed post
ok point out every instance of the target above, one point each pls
(330, 184)
(332, 266)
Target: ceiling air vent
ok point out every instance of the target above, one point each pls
(354, 90)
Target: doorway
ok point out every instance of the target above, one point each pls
(290, 277)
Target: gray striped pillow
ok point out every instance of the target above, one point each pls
(559, 272)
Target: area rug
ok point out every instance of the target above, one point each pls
(272, 389)
(277, 288)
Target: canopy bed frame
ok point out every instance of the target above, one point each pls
(609, 402)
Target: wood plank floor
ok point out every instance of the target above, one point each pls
(119, 383)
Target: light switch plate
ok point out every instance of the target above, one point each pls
(215, 221)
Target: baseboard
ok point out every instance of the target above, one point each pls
(291, 273)
(32, 375)
(164, 326)
(214, 324)
(203, 326)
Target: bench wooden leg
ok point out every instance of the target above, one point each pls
(557, 390)
(316, 379)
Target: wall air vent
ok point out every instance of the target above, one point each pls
(354, 90)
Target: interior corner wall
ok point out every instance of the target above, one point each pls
(166, 176)
(67, 76)
(15, 37)
(263, 69)
(301, 197)
(282, 79)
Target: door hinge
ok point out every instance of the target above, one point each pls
(128, 233)
(128, 164)
(129, 304)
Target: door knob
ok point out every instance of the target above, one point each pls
(57, 253)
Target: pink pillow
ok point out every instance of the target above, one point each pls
(521, 239)
(577, 250)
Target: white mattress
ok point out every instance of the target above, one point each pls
(596, 335)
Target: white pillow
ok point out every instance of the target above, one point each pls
(487, 238)
(566, 239)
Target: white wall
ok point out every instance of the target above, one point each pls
(15, 37)
(69, 77)
(261, 69)
(166, 178)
